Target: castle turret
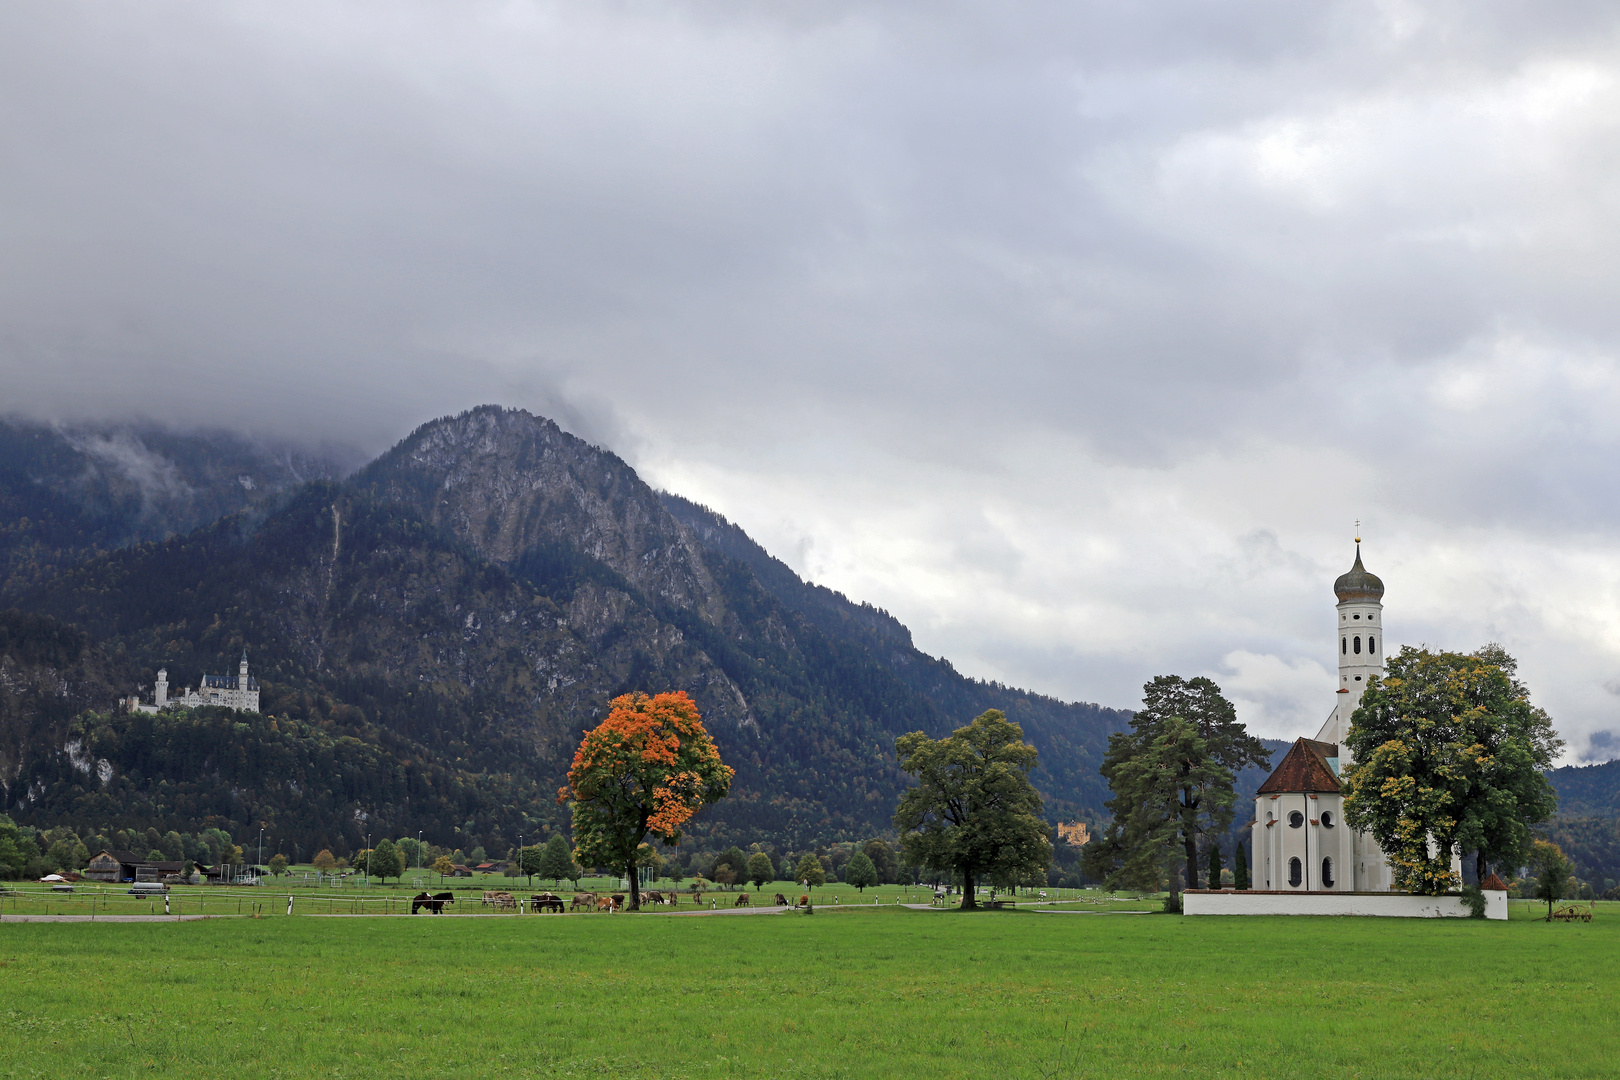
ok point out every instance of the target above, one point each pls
(160, 696)
(242, 679)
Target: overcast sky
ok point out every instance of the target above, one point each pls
(1076, 335)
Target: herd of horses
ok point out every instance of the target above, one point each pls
(589, 901)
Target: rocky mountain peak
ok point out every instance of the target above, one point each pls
(508, 482)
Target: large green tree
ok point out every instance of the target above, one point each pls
(386, 861)
(882, 856)
(974, 809)
(530, 860)
(810, 872)
(1552, 869)
(1449, 758)
(760, 869)
(860, 872)
(643, 771)
(1172, 776)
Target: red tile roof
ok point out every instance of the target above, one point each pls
(1493, 882)
(1303, 768)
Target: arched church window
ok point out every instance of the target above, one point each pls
(1371, 645)
(1327, 873)
(1344, 645)
(1296, 872)
(1356, 645)
(1327, 819)
(1295, 819)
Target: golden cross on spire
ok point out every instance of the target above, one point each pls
(1358, 530)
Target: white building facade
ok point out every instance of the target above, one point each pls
(240, 692)
(1301, 842)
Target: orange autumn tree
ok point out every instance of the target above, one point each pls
(644, 771)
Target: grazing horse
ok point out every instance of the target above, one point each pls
(743, 901)
(434, 903)
(546, 902)
(586, 900)
(781, 901)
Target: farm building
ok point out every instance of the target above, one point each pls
(127, 866)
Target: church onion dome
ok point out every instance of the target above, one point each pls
(1358, 584)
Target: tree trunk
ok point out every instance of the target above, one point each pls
(1481, 867)
(969, 902)
(635, 885)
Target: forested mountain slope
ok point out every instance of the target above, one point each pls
(471, 601)
(68, 493)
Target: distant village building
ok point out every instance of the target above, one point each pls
(239, 691)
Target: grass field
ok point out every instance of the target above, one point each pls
(353, 897)
(844, 993)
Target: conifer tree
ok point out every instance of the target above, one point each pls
(1240, 868)
(1214, 865)
(556, 861)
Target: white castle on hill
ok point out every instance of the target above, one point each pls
(239, 692)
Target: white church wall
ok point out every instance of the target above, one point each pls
(1291, 902)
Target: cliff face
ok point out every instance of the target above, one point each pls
(49, 673)
(508, 483)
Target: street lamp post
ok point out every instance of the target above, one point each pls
(368, 860)
(261, 855)
(418, 851)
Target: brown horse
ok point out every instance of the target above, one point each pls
(434, 903)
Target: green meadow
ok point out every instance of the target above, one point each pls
(882, 992)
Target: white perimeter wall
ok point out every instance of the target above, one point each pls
(1389, 905)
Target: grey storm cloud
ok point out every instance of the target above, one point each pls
(1076, 334)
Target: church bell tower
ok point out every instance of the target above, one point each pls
(1361, 644)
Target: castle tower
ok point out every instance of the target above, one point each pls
(1360, 640)
(242, 679)
(160, 696)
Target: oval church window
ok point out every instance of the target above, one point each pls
(1344, 645)
(1327, 873)
(1356, 644)
(1370, 645)
(1295, 819)
(1296, 872)
(1327, 819)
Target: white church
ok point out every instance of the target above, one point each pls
(240, 692)
(1306, 860)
